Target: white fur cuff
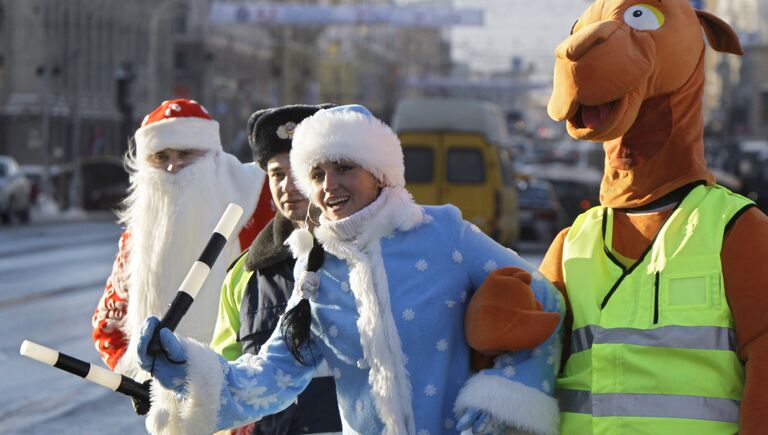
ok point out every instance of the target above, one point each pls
(512, 402)
(197, 412)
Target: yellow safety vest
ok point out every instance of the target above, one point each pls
(653, 347)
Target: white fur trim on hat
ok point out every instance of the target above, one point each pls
(333, 135)
(179, 133)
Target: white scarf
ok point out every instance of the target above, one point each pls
(356, 239)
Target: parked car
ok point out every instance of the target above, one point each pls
(540, 214)
(458, 151)
(14, 191)
(104, 182)
(577, 188)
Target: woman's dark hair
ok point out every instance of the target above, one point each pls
(297, 321)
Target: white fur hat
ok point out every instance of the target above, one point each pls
(347, 133)
(178, 124)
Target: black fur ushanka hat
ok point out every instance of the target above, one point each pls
(270, 131)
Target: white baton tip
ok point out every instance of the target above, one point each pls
(38, 352)
(229, 219)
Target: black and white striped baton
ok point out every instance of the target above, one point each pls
(97, 375)
(196, 275)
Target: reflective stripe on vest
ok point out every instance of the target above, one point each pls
(682, 337)
(653, 344)
(649, 405)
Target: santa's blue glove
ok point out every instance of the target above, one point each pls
(478, 422)
(170, 366)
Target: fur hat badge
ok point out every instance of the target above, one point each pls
(270, 131)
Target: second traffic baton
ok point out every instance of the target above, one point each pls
(97, 375)
(196, 275)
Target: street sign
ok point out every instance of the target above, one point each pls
(306, 15)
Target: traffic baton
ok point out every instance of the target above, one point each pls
(196, 275)
(97, 375)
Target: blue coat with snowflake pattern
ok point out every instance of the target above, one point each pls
(388, 318)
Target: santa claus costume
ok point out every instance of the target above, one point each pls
(168, 218)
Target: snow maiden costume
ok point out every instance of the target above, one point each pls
(387, 310)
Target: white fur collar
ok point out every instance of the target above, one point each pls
(395, 211)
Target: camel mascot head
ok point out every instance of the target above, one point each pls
(631, 75)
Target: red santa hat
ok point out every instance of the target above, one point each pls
(178, 124)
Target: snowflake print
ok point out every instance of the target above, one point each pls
(345, 286)
(177, 382)
(283, 379)
(506, 359)
(430, 390)
(490, 266)
(545, 386)
(250, 363)
(336, 373)
(422, 265)
(509, 371)
(457, 257)
(463, 296)
(253, 397)
(442, 345)
(552, 359)
(424, 432)
(450, 304)
(409, 314)
(333, 331)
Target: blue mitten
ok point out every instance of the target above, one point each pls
(478, 422)
(169, 368)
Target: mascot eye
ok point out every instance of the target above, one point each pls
(644, 17)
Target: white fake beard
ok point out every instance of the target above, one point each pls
(171, 218)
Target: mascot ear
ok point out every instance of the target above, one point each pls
(719, 33)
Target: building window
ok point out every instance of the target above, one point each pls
(764, 106)
(181, 23)
(180, 60)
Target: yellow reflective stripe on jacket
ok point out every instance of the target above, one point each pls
(653, 348)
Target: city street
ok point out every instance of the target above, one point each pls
(51, 276)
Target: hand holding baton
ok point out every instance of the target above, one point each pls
(97, 375)
(178, 307)
(196, 275)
